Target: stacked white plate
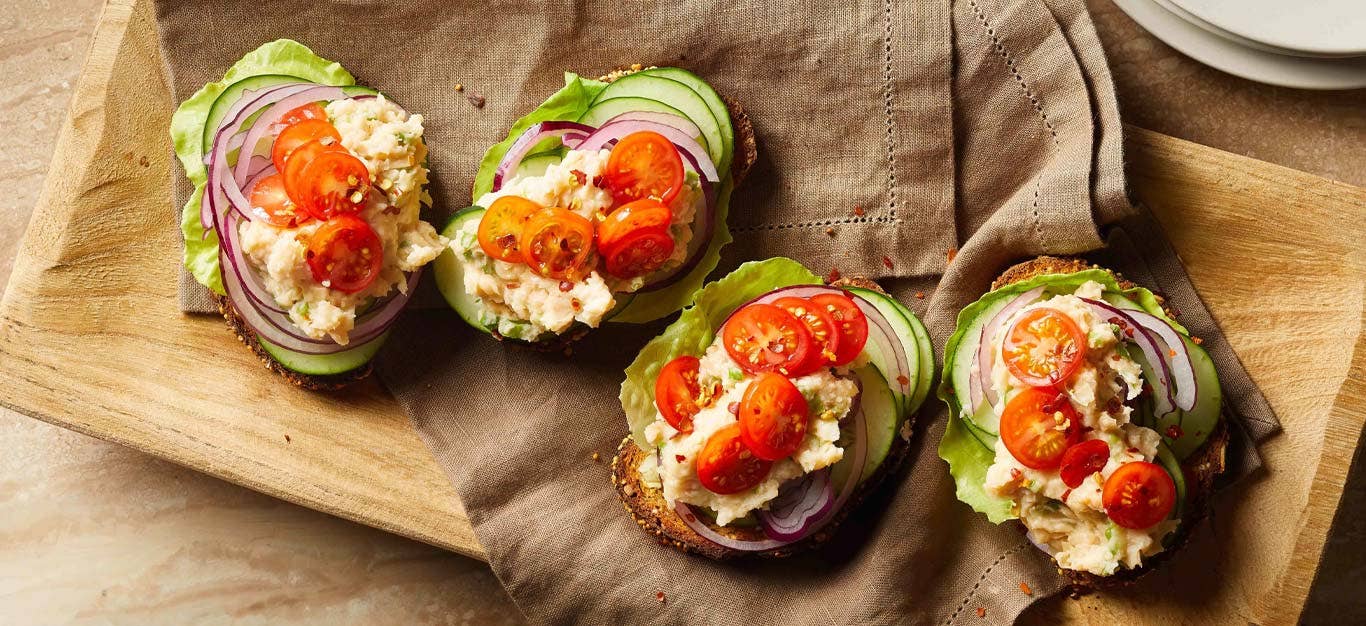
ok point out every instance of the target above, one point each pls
(1307, 44)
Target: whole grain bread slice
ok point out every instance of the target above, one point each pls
(1200, 469)
(652, 513)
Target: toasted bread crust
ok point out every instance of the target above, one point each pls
(311, 382)
(653, 514)
(1200, 469)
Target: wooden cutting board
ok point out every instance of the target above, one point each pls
(91, 339)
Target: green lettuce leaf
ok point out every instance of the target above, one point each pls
(568, 104)
(282, 56)
(695, 328)
(969, 458)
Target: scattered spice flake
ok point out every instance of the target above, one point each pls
(288, 440)
(919, 295)
(566, 286)
(981, 611)
(597, 181)
(953, 252)
(858, 210)
(579, 177)
(680, 458)
(476, 99)
(833, 276)
(830, 231)
(596, 457)
(887, 262)
(659, 595)
(903, 380)
(1024, 587)
(1175, 432)
(1197, 341)
(459, 87)
(733, 408)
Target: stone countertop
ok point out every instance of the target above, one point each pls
(98, 533)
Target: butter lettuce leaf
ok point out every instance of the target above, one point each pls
(967, 456)
(280, 57)
(696, 327)
(567, 105)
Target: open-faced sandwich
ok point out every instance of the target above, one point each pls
(1081, 408)
(608, 202)
(764, 413)
(304, 220)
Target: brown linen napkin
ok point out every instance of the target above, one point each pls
(985, 127)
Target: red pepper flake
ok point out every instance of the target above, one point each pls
(833, 276)
(513, 285)
(981, 611)
(566, 286)
(579, 177)
(659, 595)
(903, 380)
(1175, 432)
(1197, 341)
(1024, 587)
(680, 458)
(597, 181)
(1171, 353)
(953, 252)
(887, 262)
(1133, 450)
(858, 210)
(575, 304)
(919, 295)
(1064, 499)
(1015, 473)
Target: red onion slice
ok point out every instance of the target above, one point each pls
(984, 352)
(1163, 395)
(234, 115)
(800, 502)
(659, 117)
(1176, 355)
(574, 132)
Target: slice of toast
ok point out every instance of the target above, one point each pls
(1200, 469)
(653, 514)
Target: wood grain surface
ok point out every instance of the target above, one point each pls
(91, 339)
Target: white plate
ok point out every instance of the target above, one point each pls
(1253, 64)
(1334, 28)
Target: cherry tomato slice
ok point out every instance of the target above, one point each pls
(765, 338)
(1044, 347)
(819, 323)
(269, 196)
(644, 164)
(850, 321)
(345, 254)
(773, 416)
(1037, 427)
(300, 159)
(500, 230)
(556, 243)
(677, 392)
(633, 217)
(297, 135)
(639, 254)
(310, 111)
(335, 182)
(1138, 495)
(1083, 460)
(726, 466)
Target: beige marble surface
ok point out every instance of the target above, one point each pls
(95, 533)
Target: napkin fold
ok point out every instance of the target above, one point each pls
(981, 131)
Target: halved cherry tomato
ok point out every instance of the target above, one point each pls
(850, 321)
(773, 416)
(1038, 425)
(640, 253)
(297, 135)
(335, 182)
(819, 322)
(345, 254)
(500, 230)
(1082, 460)
(1138, 495)
(644, 164)
(677, 392)
(725, 465)
(269, 196)
(310, 111)
(1044, 347)
(300, 158)
(556, 243)
(765, 338)
(633, 217)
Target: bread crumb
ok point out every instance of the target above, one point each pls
(596, 457)
(288, 440)
(830, 231)
(459, 86)
(635, 67)
(833, 276)
(1024, 587)
(1197, 341)
(476, 99)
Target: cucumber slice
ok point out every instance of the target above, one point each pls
(882, 416)
(715, 103)
(1167, 459)
(922, 338)
(959, 364)
(891, 311)
(1196, 424)
(536, 164)
(450, 274)
(676, 95)
(232, 93)
(324, 364)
